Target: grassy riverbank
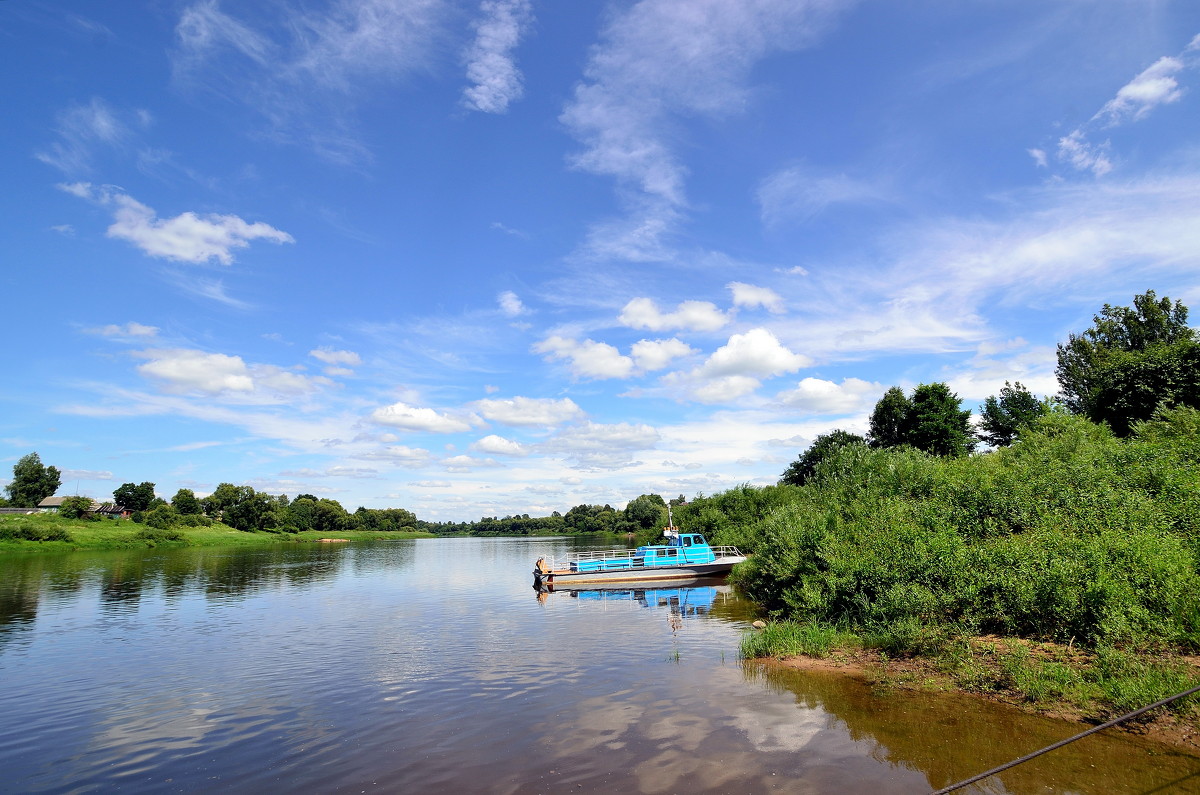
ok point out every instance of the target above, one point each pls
(1088, 685)
(51, 533)
(1062, 573)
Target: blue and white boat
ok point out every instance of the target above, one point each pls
(684, 556)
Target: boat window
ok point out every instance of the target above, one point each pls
(687, 541)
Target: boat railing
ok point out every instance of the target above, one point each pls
(605, 556)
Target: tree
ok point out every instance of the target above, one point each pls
(930, 420)
(185, 503)
(646, 511)
(1130, 362)
(937, 425)
(803, 468)
(889, 420)
(135, 498)
(32, 482)
(76, 508)
(1003, 416)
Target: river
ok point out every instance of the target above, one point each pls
(434, 666)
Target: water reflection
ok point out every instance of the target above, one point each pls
(681, 599)
(950, 737)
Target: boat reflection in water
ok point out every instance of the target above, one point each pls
(681, 598)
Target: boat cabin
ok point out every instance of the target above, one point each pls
(680, 550)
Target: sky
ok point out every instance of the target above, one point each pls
(504, 257)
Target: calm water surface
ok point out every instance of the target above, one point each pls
(432, 665)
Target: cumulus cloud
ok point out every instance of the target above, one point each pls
(189, 371)
(737, 368)
(1084, 155)
(589, 359)
(130, 330)
(498, 445)
(531, 412)
(643, 313)
(756, 353)
(187, 237)
(751, 297)
(650, 355)
(412, 418)
(1153, 87)
(331, 356)
(817, 396)
(466, 463)
(510, 304)
(495, 78)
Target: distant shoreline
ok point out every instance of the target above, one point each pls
(19, 533)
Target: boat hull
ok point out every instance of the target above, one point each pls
(679, 572)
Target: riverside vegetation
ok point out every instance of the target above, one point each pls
(1061, 571)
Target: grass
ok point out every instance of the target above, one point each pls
(51, 533)
(1092, 684)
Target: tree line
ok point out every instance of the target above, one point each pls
(1131, 363)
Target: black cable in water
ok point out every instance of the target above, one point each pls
(1061, 743)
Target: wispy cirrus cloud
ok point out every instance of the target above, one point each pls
(187, 237)
(1155, 86)
(658, 61)
(81, 129)
(495, 79)
(305, 69)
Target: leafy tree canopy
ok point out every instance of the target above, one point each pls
(1001, 417)
(76, 508)
(186, 503)
(32, 482)
(135, 497)
(804, 467)
(929, 420)
(1132, 361)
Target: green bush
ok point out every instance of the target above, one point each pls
(155, 535)
(1070, 534)
(33, 531)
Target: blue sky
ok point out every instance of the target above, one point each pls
(503, 257)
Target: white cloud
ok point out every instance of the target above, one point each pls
(81, 128)
(1083, 155)
(650, 355)
(532, 412)
(466, 463)
(817, 396)
(643, 313)
(1153, 87)
(398, 454)
(412, 418)
(495, 79)
(736, 369)
(130, 330)
(589, 359)
(196, 371)
(798, 194)
(305, 69)
(656, 61)
(750, 297)
(510, 304)
(498, 445)
(331, 356)
(188, 371)
(597, 446)
(186, 237)
(69, 475)
(756, 353)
